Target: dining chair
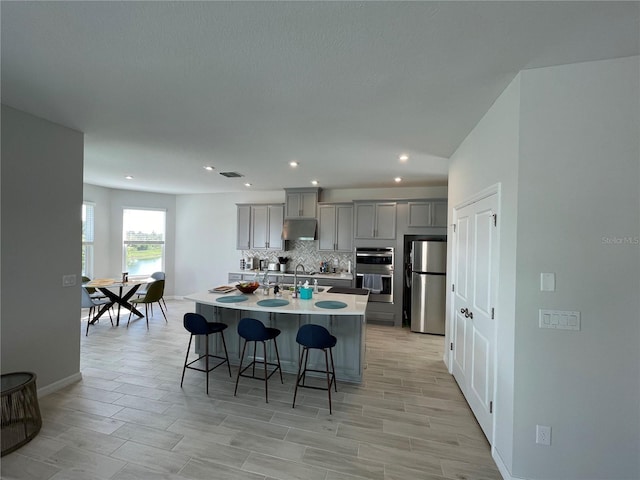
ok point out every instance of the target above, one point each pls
(156, 276)
(93, 292)
(92, 304)
(155, 290)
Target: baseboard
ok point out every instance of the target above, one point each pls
(60, 384)
(502, 468)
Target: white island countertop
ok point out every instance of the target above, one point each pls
(356, 304)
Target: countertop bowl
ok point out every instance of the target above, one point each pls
(248, 287)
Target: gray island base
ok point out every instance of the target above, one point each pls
(346, 324)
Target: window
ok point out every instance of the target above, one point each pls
(87, 239)
(143, 241)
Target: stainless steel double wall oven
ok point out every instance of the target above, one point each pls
(374, 270)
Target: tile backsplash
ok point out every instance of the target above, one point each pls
(304, 252)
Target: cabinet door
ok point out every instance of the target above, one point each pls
(301, 204)
(308, 204)
(348, 331)
(243, 241)
(327, 227)
(276, 220)
(385, 221)
(259, 226)
(419, 214)
(365, 220)
(293, 205)
(439, 217)
(344, 228)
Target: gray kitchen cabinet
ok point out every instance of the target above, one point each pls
(425, 213)
(266, 227)
(243, 241)
(375, 220)
(335, 227)
(347, 330)
(301, 202)
(440, 212)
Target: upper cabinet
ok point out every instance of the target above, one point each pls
(424, 213)
(260, 227)
(243, 241)
(375, 220)
(301, 202)
(335, 227)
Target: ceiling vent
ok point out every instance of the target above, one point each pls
(231, 174)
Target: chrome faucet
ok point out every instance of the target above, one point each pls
(295, 279)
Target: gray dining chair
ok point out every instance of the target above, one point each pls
(92, 304)
(155, 291)
(156, 276)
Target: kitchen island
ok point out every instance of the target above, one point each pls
(346, 323)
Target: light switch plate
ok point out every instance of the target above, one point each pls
(559, 319)
(547, 282)
(68, 280)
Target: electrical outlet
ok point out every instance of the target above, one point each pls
(543, 435)
(68, 280)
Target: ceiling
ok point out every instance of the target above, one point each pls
(162, 89)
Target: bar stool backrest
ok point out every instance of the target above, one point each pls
(315, 336)
(252, 330)
(195, 324)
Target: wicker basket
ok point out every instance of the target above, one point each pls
(21, 420)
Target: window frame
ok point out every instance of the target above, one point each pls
(88, 244)
(126, 242)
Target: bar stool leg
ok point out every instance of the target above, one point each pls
(240, 368)
(226, 354)
(266, 382)
(184, 369)
(295, 392)
(275, 344)
(333, 370)
(206, 359)
(326, 362)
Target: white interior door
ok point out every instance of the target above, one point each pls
(475, 282)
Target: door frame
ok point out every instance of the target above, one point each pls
(495, 189)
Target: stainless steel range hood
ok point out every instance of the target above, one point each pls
(299, 229)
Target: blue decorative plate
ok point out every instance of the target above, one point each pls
(232, 299)
(273, 302)
(330, 304)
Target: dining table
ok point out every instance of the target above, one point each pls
(119, 293)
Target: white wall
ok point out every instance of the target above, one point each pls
(41, 204)
(578, 188)
(563, 142)
(108, 228)
(488, 157)
(206, 237)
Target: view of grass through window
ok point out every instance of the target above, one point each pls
(144, 236)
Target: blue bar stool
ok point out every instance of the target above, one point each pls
(196, 324)
(253, 330)
(315, 336)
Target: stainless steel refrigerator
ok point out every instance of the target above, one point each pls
(428, 286)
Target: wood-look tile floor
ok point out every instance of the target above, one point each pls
(129, 419)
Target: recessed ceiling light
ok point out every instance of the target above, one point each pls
(314, 182)
(208, 167)
(129, 177)
(404, 157)
(293, 164)
(397, 179)
(247, 184)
